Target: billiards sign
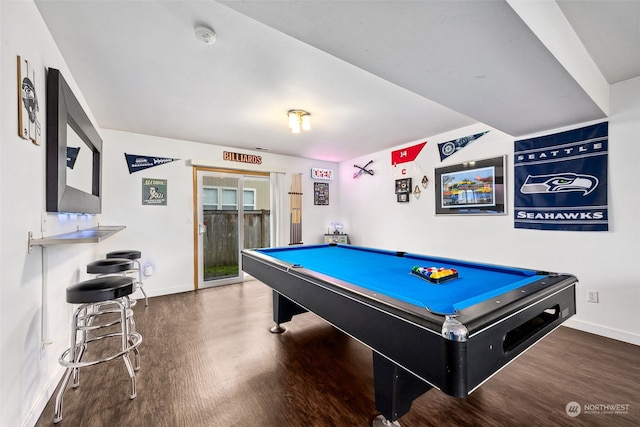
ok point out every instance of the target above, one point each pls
(242, 158)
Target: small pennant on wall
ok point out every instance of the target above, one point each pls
(406, 155)
(448, 148)
(137, 163)
(72, 156)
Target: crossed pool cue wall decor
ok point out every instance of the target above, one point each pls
(362, 170)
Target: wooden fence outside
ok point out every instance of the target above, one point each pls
(221, 237)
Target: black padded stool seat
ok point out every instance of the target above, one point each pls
(100, 289)
(125, 254)
(134, 256)
(109, 266)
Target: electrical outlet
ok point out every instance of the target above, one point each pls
(592, 296)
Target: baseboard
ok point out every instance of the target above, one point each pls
(604, 331)
(43, 399)
(151, 292)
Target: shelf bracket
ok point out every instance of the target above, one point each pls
(29, 245)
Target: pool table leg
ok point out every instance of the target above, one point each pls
(283, 310)
(395, 390)
(277, 329)
(381, 421)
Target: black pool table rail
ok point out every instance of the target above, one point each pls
(474, 318)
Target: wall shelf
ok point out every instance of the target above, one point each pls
(88, 235)
(336, 238)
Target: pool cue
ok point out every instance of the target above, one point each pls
(296, 210)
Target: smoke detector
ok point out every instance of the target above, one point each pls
(206, 35)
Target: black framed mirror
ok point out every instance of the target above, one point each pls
(73, 152)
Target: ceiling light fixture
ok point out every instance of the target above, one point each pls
(299, 119)
(206, 35)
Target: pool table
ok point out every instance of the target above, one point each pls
(452, 335)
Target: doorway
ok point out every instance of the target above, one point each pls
(232, 210)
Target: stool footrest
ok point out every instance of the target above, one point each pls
(135, 339)
(90, 326)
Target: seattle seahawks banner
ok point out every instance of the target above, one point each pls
(448, 148)
(561, 180)
(137, 163)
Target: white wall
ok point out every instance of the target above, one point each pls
(602, 261)
(29, 371)
(164, 234)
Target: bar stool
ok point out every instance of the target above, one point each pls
(118, 267)
(104, 267)
(93, 320)
(134, 256)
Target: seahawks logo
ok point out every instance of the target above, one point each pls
(559, 183)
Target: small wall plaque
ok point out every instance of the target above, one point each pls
(154, 192)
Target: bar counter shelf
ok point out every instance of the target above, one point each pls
(88, 235)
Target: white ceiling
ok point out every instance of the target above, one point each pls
(373, 74)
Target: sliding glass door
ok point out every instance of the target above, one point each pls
(233, 214)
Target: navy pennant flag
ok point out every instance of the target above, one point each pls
(448, 148)
(137, 163)
(72, 156)
(560, 180)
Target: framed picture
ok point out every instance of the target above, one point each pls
(320, 193)
(402, 197)
(471, 188)
(403, 185)
(28, 108)
(154, 192)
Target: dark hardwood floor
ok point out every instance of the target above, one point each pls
(208, 359)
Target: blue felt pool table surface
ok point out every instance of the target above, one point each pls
(386, 273)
